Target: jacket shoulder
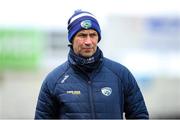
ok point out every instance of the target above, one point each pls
(59, 71)
(121, 71)
(53, 77)
(114, 66)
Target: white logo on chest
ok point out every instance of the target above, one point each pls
(106, 91)
(65, 78)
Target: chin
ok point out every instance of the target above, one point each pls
(87, 55)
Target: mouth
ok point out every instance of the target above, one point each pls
(87, 49)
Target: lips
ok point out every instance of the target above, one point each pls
(87, 49)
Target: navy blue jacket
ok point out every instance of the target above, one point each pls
(107, 92)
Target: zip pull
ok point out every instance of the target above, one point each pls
(89, 82)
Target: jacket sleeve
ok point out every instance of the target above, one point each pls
(47, 105)
(134, 105)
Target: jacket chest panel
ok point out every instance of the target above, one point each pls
(77, 94)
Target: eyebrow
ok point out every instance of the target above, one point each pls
(82, 33)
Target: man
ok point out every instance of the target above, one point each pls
(88, 85)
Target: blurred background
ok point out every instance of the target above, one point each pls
(142, 35)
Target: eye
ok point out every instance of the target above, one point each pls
(93, 35)
(82, 35)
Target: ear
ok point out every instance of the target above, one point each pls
(72, 41)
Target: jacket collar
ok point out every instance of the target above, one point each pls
(86, 65)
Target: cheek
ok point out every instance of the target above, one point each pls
(77, 46)
(95, 43)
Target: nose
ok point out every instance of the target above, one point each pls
(88, 40)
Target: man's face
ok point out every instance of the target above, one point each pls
(85, 42)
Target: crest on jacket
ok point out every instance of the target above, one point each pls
(106, 91)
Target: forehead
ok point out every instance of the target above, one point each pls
(87, 31)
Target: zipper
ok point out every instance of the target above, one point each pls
(90, 93)
(91, 98)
